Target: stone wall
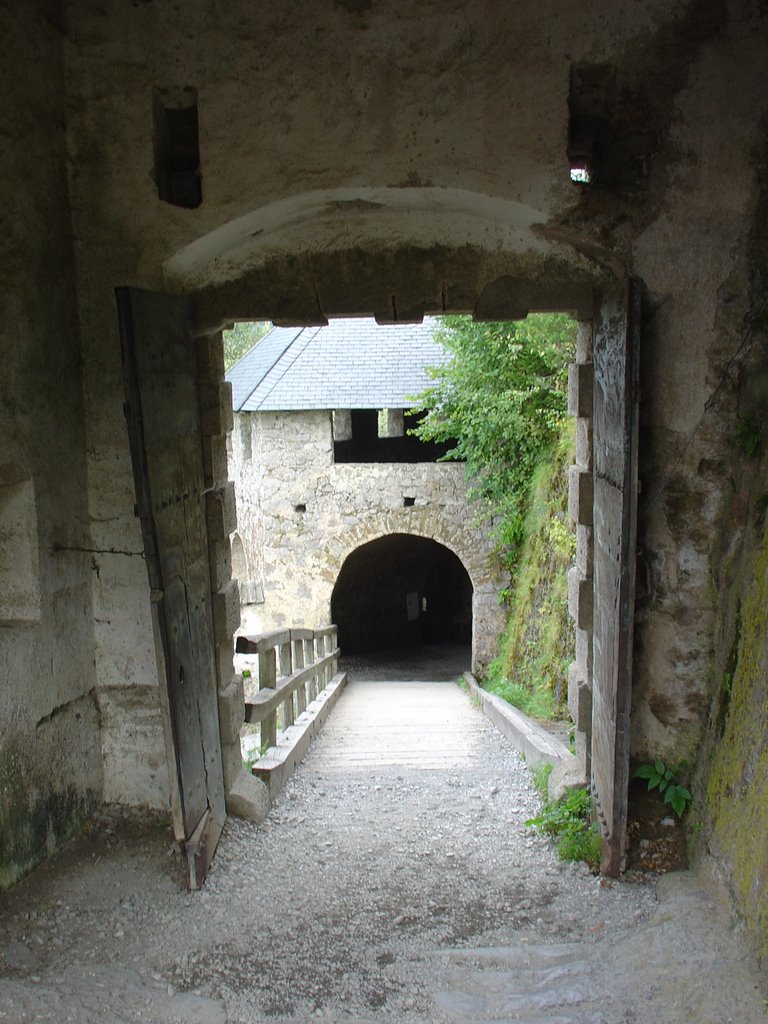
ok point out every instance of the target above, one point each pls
(50, 768)
(389, 159)
(300, 516)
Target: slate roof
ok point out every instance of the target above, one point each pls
(352, 363)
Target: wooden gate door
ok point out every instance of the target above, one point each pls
(616, 366)
(162, 410)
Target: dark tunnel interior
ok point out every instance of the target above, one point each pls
(401, 592)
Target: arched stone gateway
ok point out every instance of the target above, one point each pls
(296, 192)
(402, 592)
(302, 524)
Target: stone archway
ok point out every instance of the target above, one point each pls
(402, 591)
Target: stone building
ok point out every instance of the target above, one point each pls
(340, 511)
(299, 161)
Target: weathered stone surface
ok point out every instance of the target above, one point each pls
(579, 698)
(226, 613)
(232, 710)
(566, 775)
(580, 495)
(248, 797)
(581, 381)
(283, 462)
(580, 599)
(220, 511)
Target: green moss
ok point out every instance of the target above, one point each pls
(737, 787)
(36, 817)
(537, 644)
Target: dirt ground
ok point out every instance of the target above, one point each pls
(377, 890)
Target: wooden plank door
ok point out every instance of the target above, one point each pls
(162, 410)
(616, 366)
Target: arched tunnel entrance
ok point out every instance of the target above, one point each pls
(402, 593)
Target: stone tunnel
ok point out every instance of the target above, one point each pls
(308, 161)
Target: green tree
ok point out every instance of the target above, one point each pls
(501, 398)
(241, 339)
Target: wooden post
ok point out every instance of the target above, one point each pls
(298, 662)
(286, 668)
(309, 654)
(267, 680)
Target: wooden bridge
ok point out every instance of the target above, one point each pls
(293, 682)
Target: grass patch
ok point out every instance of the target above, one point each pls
(540, 775)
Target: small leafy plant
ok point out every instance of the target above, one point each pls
(665, 778)
(567, 821)
(749, 430)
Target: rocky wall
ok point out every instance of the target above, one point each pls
(50, 765)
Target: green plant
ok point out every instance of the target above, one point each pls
(540, 775)
(250, 759)
(665, 778)
(568, 822)
(748, 432)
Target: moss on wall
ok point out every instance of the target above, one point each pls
(50, 785)
(736, 794)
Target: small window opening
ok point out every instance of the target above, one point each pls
(372, 435)
(301, 507)
(408, 502)
(177, 147)
(581, 175)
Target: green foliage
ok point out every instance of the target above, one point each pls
(568, 822)
(540, 776)
(665, 778)
(749, 430)
(501, 399)
(536, 646)
(241, 339)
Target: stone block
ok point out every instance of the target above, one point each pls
(226, 612)
(215, 465)
(580, 599)
(225, 658)
(232, 710)
(221, 512)
(580, 384)
(579, 698)
(584, 342)
(584, 443)
(210, 359)
(220, 560)
(585, 551)
(231, 762)
(248, 797)
(580, 495)
(584, 651)
(216, 413)
(566, 775)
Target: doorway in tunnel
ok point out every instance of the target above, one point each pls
(402, 593)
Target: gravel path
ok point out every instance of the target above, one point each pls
(376, 891)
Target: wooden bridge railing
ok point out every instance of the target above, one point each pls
(294, 665)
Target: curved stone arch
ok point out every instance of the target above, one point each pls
(475, 555)
(361, 535)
